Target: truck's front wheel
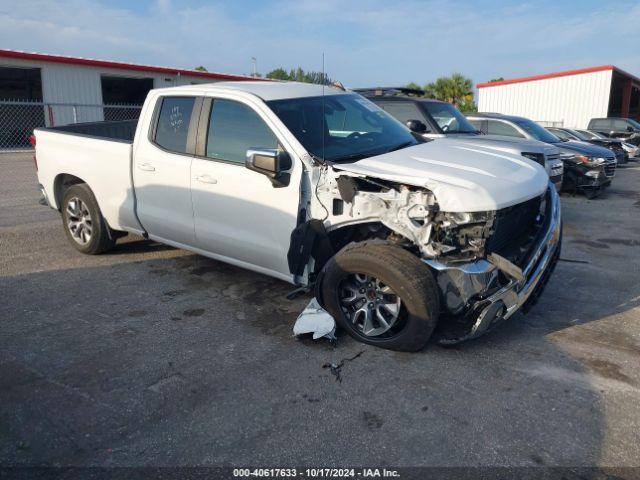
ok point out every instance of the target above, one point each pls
(381, 295)
(83, 222)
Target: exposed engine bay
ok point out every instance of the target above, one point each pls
(473, 255)
(413, 218)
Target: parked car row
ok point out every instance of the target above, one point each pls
(575, 161)
(613, 144)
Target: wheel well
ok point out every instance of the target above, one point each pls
(343, 236)
(61, 183)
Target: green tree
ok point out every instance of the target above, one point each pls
(299, 75)
(499, 79)
(278, 74)
(413, 85)
(456, 89)
(201, 69)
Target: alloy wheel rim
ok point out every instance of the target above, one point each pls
(79, 221)
(371, 306)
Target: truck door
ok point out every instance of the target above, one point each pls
(239, 215)
(162, 171)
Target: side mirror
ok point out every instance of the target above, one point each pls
(416, 126)
(272, 163)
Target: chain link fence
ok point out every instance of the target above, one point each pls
(19, 118)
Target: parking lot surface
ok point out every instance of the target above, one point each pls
(150, 355)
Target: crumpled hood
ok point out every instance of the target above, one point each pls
(463, 177)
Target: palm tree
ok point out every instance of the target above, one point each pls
(455, 89)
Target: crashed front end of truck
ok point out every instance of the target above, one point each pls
(487, 264)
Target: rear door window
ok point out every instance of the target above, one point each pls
(495, 127)
(173, 123)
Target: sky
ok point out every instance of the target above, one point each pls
(365, 43)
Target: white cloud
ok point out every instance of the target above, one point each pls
(365, 43)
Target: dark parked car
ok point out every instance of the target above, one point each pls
(626, 129)
(613, 144)
(587, 168)
(631, 149)
(432, 119)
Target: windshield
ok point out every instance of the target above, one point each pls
(353, 126)
(449, 118)
(536, 131)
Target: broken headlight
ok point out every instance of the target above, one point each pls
(463, 233)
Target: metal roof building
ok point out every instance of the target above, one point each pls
(42, 90)
(569, 98)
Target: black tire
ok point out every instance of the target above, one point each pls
(408, 278)
(101, 238)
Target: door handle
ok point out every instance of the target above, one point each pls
(147, 167)
(206, 179)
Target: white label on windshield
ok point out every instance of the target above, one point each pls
(372, 107)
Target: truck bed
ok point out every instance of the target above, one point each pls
(123, 130)
(98, 154)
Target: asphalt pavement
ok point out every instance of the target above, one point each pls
(153, 356)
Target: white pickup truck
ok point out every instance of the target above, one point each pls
(399, 237)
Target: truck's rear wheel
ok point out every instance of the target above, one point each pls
(381, 295)
(83, 223)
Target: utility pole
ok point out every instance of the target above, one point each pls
(254, 62)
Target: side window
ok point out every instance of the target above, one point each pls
(403, 111)
(235, 128)
(500, 128)
(173, 123)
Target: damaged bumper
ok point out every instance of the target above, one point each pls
(476, 296)
(594, 179)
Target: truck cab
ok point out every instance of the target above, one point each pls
(626, 129)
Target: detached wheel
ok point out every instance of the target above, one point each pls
(83, 223)
(381, 295)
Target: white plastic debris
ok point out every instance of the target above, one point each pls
(315, 319)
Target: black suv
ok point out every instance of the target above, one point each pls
(407, 105)
(625, 129)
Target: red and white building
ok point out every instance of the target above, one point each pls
(569, 98)
(37, 89)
